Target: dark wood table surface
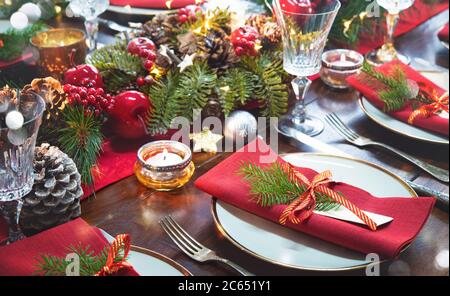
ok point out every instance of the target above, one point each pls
(128, 207)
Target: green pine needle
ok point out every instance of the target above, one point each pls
(82, 140)
(16, 41)
(235, 88)
(272, 185)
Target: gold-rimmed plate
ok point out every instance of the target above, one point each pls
(402, 128)
(151, 263)
(279, 245)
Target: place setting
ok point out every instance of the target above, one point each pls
(169, 151)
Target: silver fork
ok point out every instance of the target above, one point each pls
(360, 141)
(193, 248)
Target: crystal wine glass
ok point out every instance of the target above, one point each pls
(17, 144)
(387, 52)
(90, 10)
(305, 31)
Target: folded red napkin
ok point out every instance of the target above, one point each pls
(443, 33)
(20, 258)
(434, 123)
(410, 214)
(156, 4)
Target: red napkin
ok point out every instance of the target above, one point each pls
(410, 214)
(156, 4)
(433, 123)
(20, 258)
(443, 33)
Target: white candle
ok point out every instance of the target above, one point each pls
(343, 62)
(164, 159)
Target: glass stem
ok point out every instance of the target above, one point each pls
(391, 22)
(300, 86)
(91, 27)
(10, 210)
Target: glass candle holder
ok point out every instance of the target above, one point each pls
(59, 49)
(339, 64)
(164, 165)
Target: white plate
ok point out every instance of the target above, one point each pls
(400, 127)
(279, 245)
(149, 263)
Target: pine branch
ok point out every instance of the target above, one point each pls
(118, 68)
(82, 140)
(90, 264)
(273, 185)
(217, 19)
(195, 86)
(236, 87)
(166, 104)
(269, 86)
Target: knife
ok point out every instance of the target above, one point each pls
(113, 25)
(442, 199)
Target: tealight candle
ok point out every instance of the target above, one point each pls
(164, 165)
(339, 64)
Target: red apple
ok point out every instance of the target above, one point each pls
(297, 6)
(83, 75)
(136, 45)
(128, 114)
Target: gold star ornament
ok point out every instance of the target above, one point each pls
(205, 141)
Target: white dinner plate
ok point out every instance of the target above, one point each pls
(279, 245)
(403, 128)
(150, 263)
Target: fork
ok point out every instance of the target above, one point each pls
(193, 248)
(351, 136)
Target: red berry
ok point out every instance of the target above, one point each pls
(91, 99)
(140, 81)
(149, 79)
(148, 64)
(67, 88)
(97, 112)
(92, 91)
(83, 93)
(239, 51)
(100, 91)
(143, 53)
(76, 97)
(183, 18)
(152, 56)
(84, 103)
(109, 97)
(110, 108)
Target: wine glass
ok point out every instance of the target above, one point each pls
(387, 52)
(90, 10)
(16, 155)
(305, 31)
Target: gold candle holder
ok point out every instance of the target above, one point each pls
(338, 65)
(164, 165)
(56, 46)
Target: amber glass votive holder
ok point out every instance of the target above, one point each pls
(338, 65)
(161, 175)
(56, 47)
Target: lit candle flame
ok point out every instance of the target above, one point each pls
(165, 153)
(343, 58)
(169, 4)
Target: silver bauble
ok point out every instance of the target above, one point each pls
(240, 125)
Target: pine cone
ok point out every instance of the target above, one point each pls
(51, 91)
(56, 193)
(268, 29)
(160, 28)
(217, 50)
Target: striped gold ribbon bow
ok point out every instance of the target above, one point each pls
(122, 242)
(302, 208)
(440, 103)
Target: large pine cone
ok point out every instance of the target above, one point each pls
(267, 28)
(218, 50)
(56, 193)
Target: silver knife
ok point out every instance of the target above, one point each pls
(113, 25)
(441, 197)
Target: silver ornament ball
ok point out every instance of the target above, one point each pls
(240, 125)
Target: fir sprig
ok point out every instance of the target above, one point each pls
(269, 86)
(273, 185)
(90, 264)
(235, 88)
(81, 139)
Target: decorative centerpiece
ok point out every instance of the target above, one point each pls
(338, 65)
(164, 165)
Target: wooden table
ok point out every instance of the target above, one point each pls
(128, 207)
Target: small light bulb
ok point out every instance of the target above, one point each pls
(19, 20)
